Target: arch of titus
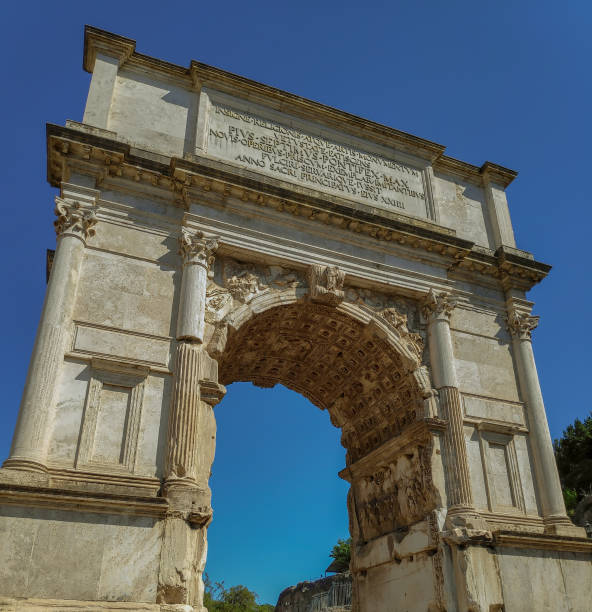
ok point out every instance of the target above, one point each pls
(211, 229)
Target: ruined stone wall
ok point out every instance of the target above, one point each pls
(329, 594)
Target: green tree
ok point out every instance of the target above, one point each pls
(217, 598)
(573, 453)
(341, 554)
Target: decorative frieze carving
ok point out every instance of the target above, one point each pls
(196, 248)
(521, 325)
(326, 284)
(73, 219)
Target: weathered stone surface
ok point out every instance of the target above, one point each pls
(389, 292)
(328, 594)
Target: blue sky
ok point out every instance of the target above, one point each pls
(502, 81)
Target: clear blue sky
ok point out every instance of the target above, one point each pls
(502, 81)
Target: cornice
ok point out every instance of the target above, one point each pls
(197, 178)
(97, 41)
(495, 173)
(198, 75)
(66, 499)
(541, 541)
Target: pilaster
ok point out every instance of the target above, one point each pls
(103, 56)
(495, 179)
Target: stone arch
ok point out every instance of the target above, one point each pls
(361, 365)
(359, 368)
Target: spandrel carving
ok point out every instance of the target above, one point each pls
(244, 280)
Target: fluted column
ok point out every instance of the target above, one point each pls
(191, 361)
(437, 309)
(74, 225)
(545, 468)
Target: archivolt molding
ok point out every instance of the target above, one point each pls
(348, 350)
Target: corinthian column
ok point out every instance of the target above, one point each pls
(437, 309)
(74, 225)
(192, 365)
(521, 326)
(191, 435)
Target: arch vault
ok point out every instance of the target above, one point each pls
(211, 229)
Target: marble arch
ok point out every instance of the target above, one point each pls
(213, 229)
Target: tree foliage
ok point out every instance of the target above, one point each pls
(573, 452)
(217, 598)
(341, 553)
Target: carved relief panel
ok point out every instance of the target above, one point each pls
(397, 493)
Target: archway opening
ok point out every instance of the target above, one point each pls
(279, 505)
(365, 372)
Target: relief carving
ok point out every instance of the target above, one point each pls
(396, 494)
(326, 284)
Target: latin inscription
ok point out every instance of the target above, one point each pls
(297, 156)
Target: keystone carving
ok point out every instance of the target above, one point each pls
(74, 219)
(438, 304)
(326, 284)
(522, 325)
(196, 248)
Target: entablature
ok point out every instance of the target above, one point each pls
(96, 153)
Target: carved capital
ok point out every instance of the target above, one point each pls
(73, 219)
(196, 248)
(437, 305)
(521, 325)
(326, 284)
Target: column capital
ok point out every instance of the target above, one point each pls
(73, 219)
(522, 324)
(196, 248)
(437, 305)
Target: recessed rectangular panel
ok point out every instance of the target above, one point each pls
(499, 476)
(111, 424)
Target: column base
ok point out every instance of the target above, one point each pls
(465, 517)
(563, 526)
(27, 465)
(186, 497)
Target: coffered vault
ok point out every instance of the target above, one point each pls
(211, 229)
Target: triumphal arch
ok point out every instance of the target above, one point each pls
(211, 229)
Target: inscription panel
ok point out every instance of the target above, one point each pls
(313, 156)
